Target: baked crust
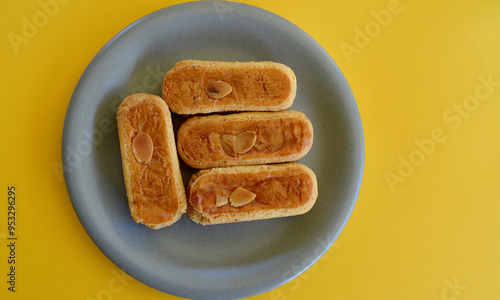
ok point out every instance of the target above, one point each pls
(283, 136)
(281, 190)
(256, 86)
(155, 190)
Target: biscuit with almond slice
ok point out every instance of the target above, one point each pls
(202, 87)
(155, 190)
(246, 193)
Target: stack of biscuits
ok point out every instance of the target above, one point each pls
(239, 135)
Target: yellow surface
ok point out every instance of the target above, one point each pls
(426, 223)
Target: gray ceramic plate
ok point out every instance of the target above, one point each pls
(218, 261)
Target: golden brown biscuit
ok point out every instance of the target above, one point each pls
(155, 190)
(244, 139)
(245, 193)
(200, 87)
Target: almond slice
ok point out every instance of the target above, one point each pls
(220, 201)
(218, 89)
(227, 142)
(142, 147)
(241, 196)
(245, 141)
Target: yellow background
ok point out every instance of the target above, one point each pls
(430, 230)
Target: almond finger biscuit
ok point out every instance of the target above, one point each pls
(244, 139)
(201, 87)
(245, 193)
(155, 190)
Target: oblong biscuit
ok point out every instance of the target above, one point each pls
(281, 190)
(155, 190)
(256, 86)
(283, 136)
